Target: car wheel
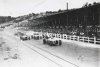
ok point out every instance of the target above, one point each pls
(60, 42)
(51, 43)
(44, 41)
(56, 42)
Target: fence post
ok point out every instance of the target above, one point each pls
(57, 35)
(83, 38)
(69, 37)
(88, 40)
(94, 40)
(77, 38)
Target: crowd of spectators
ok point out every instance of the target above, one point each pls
(87, 31)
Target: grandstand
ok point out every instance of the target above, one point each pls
(84, 21)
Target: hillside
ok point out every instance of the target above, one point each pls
(4, 19)
(31, 19)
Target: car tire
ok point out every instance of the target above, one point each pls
(44, 41)
(60, 42)
(56, 41)
(51, 43)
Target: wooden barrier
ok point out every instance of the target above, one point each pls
(76, 38)
(97, 41)
(64, 36)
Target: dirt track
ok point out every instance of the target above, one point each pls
(13, 53)
(82, 56)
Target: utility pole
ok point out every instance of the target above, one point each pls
(67, 13)
(67, 5)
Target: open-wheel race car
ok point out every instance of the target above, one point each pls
(37, 36)
(24, 37)
(52, 41)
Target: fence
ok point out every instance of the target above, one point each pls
(76, 38)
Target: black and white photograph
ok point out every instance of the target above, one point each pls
(49, 33)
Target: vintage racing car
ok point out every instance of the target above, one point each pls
(19, 34)
(24, 37)
(52, 41)
(37, 36)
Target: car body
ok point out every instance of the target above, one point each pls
(52, 41)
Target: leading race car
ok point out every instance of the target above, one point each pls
(52, 41)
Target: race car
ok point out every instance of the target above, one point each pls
(52, 41)
(19, 34)
(29, 34)
(24, 37)
(37, 36)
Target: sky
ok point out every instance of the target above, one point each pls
(23, 7)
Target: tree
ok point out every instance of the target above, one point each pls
(85, 5)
